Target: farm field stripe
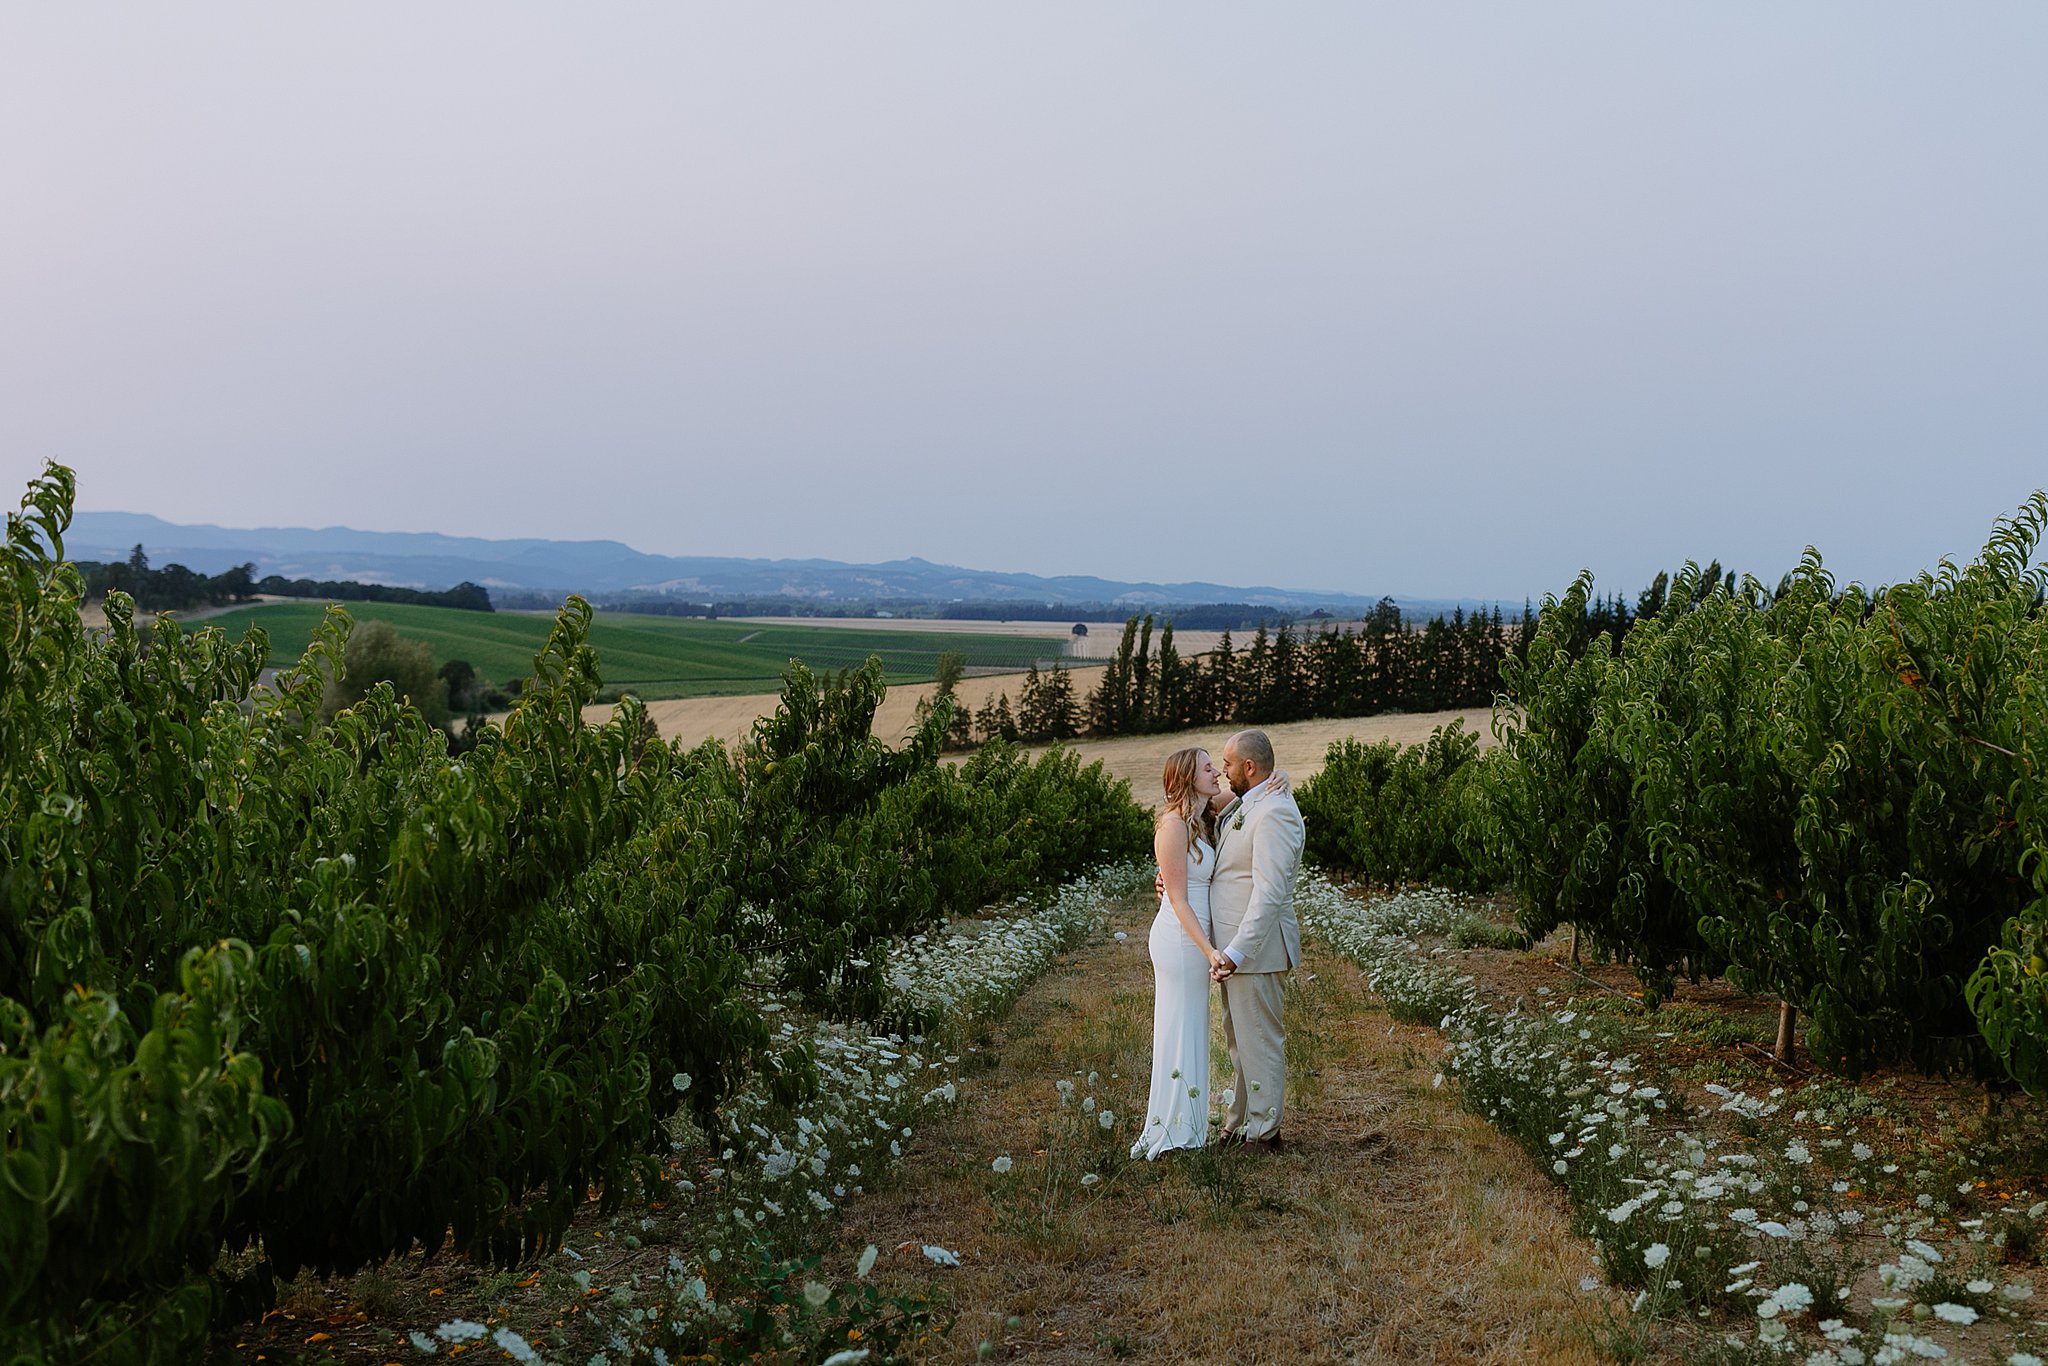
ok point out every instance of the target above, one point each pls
(660, 656)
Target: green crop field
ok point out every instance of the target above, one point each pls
(657, 657)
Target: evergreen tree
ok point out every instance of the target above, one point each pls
(1381, 643)
(1170, 686)
(1284, 700)
(1031, 706)
(1651, 602)
(1062, 709)
(1141, 678)
(995, 721)
(1221, 684)
(1255, 679)
(947, 673)
(1330, 673)
(1109, 707)
(1045, 706)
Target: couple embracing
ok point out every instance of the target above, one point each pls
(1228, 846)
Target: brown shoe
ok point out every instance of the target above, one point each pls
(1271, 1143)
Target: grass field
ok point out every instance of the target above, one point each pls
(657, 657)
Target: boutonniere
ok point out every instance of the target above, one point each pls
(1238, 824)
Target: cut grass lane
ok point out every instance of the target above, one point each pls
(1396, 1228)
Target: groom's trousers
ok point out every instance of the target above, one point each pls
(1258, 1053)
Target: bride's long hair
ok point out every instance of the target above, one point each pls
(1182, 799)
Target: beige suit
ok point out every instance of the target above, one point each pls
(1251, 906)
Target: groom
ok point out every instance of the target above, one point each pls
(1251, 906)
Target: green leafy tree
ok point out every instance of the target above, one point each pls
(1394, 814)
(948, 670)
(1564, 815)
(377, 653)
(458, 677)
(319, 992)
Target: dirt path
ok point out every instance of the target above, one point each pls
(1397, 1228)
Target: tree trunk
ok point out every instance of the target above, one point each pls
(1575, 945)
(1787, 1016)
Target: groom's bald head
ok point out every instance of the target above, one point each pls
(1247, 760)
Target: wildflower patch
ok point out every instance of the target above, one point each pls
(1774, 1224)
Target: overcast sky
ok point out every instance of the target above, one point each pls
(1430, 298)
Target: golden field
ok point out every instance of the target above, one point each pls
(1299, 745)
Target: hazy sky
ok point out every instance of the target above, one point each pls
(1430, 298)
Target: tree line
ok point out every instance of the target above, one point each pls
(466, 596)
(175, 588)
(1385, 663)
(169, 589)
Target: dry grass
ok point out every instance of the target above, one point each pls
(1137, 758)
(693, 720)
(1397, 1228)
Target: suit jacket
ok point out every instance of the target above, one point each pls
(1251, 894)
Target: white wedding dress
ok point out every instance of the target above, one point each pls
(1177, 1113)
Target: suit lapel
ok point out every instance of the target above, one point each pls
(1233, 817)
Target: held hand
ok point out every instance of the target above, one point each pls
(1159, 884)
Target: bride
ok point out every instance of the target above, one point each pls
(1177, 1114)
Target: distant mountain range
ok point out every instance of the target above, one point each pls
(610, 569)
